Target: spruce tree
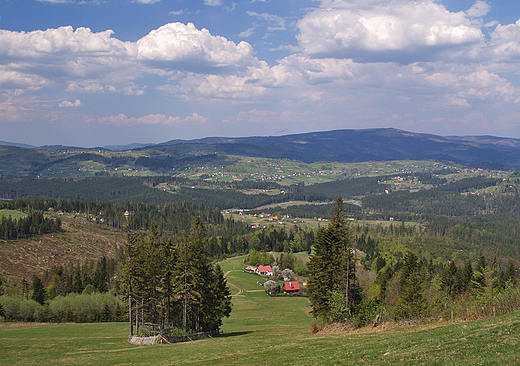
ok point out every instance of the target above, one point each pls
(332, 268)
(38, 289)
(411, 286)
(189, 274)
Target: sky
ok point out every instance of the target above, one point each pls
(113, 72)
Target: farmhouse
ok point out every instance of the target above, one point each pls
(264, 270)
(291, 287)
(250, 269)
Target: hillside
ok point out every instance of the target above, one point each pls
(385, 144)
(341, 146)
(77, 243)
(270, 330)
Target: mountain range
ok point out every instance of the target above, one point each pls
(381, 144)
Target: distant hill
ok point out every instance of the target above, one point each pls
(126, 147)
(384, 144)
(345, 146)
(5, 143)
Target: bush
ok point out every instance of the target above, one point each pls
(21, 310)
(73, 307)
(367, 312)
(83, 308)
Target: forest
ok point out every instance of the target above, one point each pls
(408, 287)
(459, 238)
(222, 195)
(34, 223)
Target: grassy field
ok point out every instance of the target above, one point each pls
(15, 215)
(268, 331)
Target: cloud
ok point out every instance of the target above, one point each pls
(89, 62)
(152, 119)
(66, 103)
(213, 2)
(14, 82)
(177, 12)
(505, 42)
(479, 9)
(56, 1)
(270, 18)
(248, 32)
(399, 28)
(59, 42)
(182, 46)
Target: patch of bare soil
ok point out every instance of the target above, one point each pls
(77, 242)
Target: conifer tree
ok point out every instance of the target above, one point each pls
(38, 289)
(191, 266)
(411, 286)
(332, 267)
(450, 280)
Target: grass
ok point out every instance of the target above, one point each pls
(268, 331)
(15, 215)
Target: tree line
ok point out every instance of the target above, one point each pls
(34, 223)
(407, 285)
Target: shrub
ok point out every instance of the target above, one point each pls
(21, 310)
(367, 312)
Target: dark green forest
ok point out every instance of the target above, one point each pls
(34, 223)
(456, 237)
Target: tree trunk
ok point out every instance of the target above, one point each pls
(130, 314)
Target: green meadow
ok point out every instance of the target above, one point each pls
(15, 215)
(265, 330)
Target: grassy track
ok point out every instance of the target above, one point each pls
(268, 331)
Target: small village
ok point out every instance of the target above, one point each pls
(273, 279)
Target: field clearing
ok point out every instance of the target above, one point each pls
(308, 223)
(15, 215)
(265, 330)
(77, 243)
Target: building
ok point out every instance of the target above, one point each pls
(264, 270)
(291, 287)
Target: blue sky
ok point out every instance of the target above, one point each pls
(93, 73)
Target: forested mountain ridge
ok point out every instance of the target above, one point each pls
(344, 146)
(383, 144)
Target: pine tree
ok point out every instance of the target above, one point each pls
(191, 268)
(332, 267)
(38, 289)
(100, 278)
(450, 280)
(411, 286)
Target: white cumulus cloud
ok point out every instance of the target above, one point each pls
(479, 9)
(68, 104)
(397, 27)
(505, 42)
(186, 47)
(59, 42)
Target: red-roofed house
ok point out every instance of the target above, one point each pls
(264, 270)
(291, 287)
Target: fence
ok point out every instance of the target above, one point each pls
(157, 333)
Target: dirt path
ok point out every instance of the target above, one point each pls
(235, 286)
